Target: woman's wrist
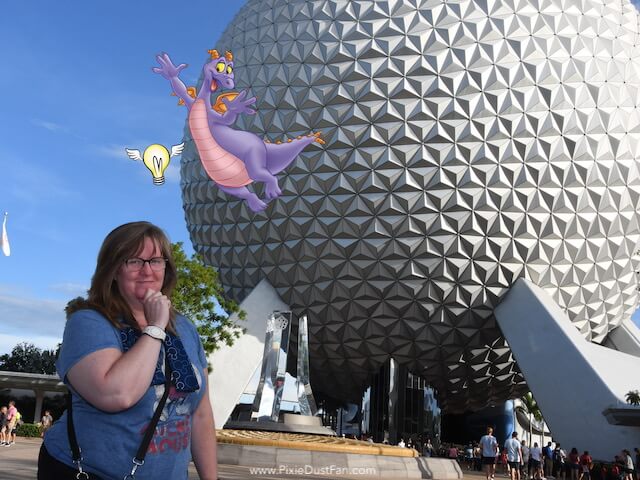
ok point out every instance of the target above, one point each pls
(155, 332)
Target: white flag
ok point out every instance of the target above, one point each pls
(4, 241)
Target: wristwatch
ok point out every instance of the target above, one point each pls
(155, 332)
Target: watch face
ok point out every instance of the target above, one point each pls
(155, 332)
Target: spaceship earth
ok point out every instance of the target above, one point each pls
(468, 143)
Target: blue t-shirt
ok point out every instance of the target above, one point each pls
(109, 441)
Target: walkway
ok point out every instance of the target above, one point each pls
(19, 462)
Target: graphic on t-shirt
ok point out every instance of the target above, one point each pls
(173, 435)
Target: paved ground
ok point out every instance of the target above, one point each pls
(19, 462)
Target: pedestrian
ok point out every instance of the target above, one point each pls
(477, 458)
(427, 448)
(573, 463)
(513, 450)
(525, 464)
(12, 420)
(3, 425)
(453, 452)
(489, 447)
(559, 459)
(586, 464)
(504, 462)
(628, 469)
(547, 454)
(134, 366)
(536, 462)
(45, 422)
(468, 456)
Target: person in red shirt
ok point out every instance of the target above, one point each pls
(586, 463)
(453, 452)
(573, 463)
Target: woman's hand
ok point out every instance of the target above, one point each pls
(157, 307)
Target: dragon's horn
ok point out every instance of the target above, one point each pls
(214, 54)
(229, 56)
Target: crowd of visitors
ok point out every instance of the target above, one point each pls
(520, 461)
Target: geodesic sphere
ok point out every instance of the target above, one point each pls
(469, 143)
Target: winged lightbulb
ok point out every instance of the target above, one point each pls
(156, 158)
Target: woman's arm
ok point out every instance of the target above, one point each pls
(203, 437)
(114, 381)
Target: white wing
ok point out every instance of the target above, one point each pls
(177, 149)
(133, 154)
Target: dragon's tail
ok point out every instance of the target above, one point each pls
(281, 154)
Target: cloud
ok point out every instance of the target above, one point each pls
(25, 318)
(33, 183)
(8, 342)
(111, 151)
(51, 126)
(70, 289)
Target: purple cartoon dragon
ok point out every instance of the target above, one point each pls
(232, 158)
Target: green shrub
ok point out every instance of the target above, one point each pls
(28, 430)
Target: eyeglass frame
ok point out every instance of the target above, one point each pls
(160, 268)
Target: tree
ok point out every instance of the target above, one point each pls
(529, 407)
(27, 358)
(200, 297)
(633, 397)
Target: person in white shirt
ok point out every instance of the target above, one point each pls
(489, 446)
(628, 465)
(536, 462)
(514, 455)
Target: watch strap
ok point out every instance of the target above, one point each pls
(155, 332)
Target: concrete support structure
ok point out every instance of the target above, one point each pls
(574, 381)
(37, 414)
(234, 366)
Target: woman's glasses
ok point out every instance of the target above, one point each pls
(136, 264)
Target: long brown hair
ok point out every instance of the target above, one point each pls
(120, 244)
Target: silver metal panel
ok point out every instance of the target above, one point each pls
(266, 403)
(303, 384)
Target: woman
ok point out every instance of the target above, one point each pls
(574, 463)
(628, 467)
(586, 463)
(113, 360)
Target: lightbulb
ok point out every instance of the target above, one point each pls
(156, 158)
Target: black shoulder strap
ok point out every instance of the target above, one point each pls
(148, 434)
(73, 441)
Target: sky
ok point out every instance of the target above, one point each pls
(76, 89)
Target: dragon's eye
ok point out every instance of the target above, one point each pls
(229, 69)
(220, 67)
